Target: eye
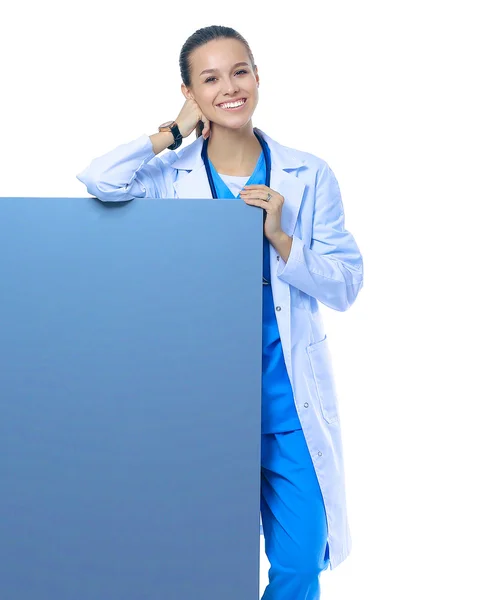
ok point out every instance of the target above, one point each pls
(241, 71)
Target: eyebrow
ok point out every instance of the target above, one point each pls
(217, 70)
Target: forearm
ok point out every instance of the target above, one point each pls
(161, 140)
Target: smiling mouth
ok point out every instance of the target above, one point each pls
(233, 107)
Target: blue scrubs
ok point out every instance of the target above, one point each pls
(292, 508)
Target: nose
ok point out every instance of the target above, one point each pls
(230, 88)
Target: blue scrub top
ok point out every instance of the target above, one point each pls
(278, 410)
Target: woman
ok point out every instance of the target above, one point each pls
(309, 256)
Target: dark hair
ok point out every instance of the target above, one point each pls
(199, 38)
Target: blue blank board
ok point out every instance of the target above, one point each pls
(130, 399)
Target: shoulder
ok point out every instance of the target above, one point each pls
(315, 171)
(169, 156)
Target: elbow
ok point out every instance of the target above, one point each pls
(345, 294)
(103, 191)
(355, 284)
(352, 293)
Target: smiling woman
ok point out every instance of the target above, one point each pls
(308, 257)
(226, 91)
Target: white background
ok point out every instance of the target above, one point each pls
(402, 99)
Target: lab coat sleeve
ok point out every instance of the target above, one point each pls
(331, 270)
(132, 170)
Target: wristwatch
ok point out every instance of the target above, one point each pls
(172, 126)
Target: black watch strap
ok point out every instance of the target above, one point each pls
(178, 138)
(174, 129)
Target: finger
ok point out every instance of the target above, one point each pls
(257, 202)
(207, 125)
(253, 195)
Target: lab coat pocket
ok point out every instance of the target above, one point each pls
(322, 371)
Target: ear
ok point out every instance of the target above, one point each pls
(185, 91)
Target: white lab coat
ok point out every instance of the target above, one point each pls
(325, 265)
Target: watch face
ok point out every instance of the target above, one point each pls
(165, 126)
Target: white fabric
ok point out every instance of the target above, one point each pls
(235, 183)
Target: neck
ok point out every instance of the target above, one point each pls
(233, 151)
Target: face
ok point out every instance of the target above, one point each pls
(226, 83)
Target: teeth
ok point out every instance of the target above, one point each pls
(232, 104)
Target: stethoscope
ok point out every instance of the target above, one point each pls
(266, 154)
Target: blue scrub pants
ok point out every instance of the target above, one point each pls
(293, 518)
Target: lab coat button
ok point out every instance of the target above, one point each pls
(306, 405)
(277, 308)
(319, 453)
(277, 257)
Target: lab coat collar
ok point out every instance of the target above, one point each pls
(195, 183)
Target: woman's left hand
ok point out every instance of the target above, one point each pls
(256, 195)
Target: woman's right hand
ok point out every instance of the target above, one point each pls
(189, 117)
